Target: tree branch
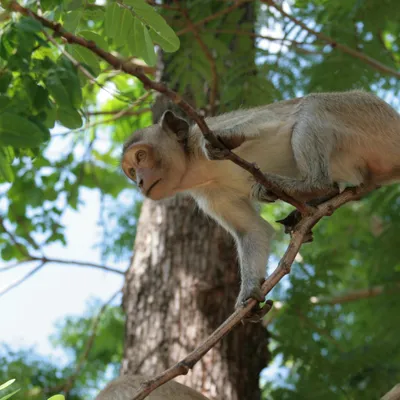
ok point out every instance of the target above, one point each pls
(23, 279)
(66, 387)
(125, 112)
(299, 233)
(354, 295)
(46, 260)
(133, 70)
(348, 50)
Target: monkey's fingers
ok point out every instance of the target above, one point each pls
(290, 221)
(258, 312)
(263, 195)
(213, 153)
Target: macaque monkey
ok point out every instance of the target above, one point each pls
(124, 388)
(306, 146)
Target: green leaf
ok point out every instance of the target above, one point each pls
(57, 397)
(144, 44)
(69, 117)
(162, 42)
(5, 80)
(7, 384)
(8, 174)
(18, 131)
(29, 25)
(85, 56)
(72, 20)
(72, 4)
(50, 118)
(112, 19)
(70, 80)
(125, 26)
(57, 89)
(5, 102)
(156, 22)
(7, 396)
(94, 37)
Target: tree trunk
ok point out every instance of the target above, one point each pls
(182, 284)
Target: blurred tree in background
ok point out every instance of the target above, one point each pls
(64, 114)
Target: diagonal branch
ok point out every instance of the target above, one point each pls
(67, 386)
(23, 279)
(348, 50)
(299, 234)
(133, 70)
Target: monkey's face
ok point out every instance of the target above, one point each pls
(156, 161)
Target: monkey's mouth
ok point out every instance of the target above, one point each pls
(152, 186)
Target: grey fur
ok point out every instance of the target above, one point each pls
(306, 146)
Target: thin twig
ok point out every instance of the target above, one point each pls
(211, 17)
(21, 248)
(46, 260)
(15, 265)
(260, 36)
(126, 113)
(66, 387)
(23, 279)
(353, 295)
(209, 56)
(81, 68)
(133, 70)
(301, 230)
(80, 263)
(348, 50)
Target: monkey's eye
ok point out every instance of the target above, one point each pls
(140, 156)
(132, 173)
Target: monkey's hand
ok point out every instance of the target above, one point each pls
(250, 289)
(290, 223)
(262, 194)
(213, 153)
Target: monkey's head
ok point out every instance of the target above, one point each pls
(156, 157)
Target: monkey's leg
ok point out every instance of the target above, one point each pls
(290, 221)
(251, 233)
(312, 147)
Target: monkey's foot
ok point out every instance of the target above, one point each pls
(257, 313)
(249, 290)
(213, 153)
(290, 223)
(261, 194)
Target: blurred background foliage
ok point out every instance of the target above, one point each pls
(336, 321)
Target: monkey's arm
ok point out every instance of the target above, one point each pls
(251, 233)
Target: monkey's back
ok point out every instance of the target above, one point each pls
(365, 131)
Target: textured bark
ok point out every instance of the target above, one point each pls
(182, 284)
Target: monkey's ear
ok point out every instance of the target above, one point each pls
(178, 126)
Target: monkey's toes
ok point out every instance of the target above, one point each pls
(290, 221)
(261, 194)
(257, 313)
(252, 292)
(213, 153)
